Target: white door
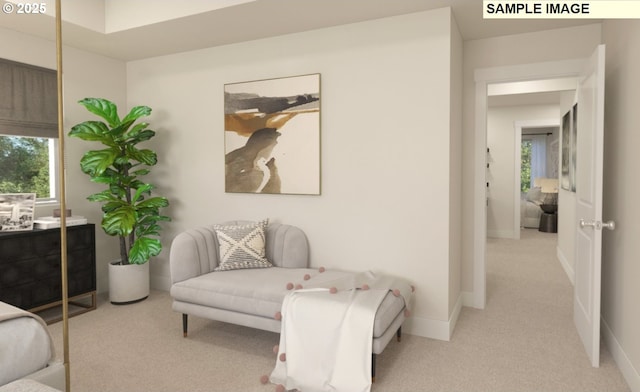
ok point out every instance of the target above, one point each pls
(590, 125)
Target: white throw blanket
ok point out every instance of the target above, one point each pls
(25, 343)
(326, 338)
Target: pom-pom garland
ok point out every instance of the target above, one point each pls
(298, 286)
(283, 357)
(264, 379)
(276, 348)
(365, 287)
(396, 292)
(307, 277)
(333, 290)
(321, 269)
(278, 316)
(289, 286)
(280, 388)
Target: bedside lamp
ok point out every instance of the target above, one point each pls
(549, 186)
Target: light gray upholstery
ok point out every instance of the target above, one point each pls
(252, 297)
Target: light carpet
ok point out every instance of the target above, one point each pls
(523, 341)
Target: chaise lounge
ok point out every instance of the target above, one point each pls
(240, 292)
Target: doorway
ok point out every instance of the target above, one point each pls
(492, 79)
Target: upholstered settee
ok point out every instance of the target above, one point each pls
(206, 285)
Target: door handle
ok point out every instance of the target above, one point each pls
(589, 223)
(611, 225)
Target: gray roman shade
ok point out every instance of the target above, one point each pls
(28, 100)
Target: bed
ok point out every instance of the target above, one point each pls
(27, 350)
(530, 208)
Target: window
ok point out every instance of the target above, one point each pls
(28, 130)
(28, 165)
(525, 166)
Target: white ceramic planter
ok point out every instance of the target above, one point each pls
(128, 283)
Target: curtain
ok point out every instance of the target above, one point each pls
(28, 100)
(538, 156)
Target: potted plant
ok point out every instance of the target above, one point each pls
(129, 211)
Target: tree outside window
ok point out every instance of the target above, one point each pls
(25, 165)
(525, 166)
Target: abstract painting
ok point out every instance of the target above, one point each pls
(272, 136)
(565, 180)
(574, 147)
(16, 211)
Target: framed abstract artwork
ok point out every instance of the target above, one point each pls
(272, 136)
(16, 211)
(565, 180)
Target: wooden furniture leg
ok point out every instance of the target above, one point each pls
(399, 334)
(184, 324)
(373, 368)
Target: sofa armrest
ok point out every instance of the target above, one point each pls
(287, 246)
(193, 253)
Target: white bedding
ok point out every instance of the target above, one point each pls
(530, 208)
(25, 343)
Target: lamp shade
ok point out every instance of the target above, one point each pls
(549, 185)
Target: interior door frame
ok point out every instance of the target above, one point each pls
(519, 126)
(483, 78)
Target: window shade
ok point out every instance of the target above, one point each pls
(28, 100)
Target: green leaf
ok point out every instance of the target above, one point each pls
(143, 249)
(142, 136)
(136, 113)
(103, 108)
(94, 163)
(141, 172)
(120, 221)
(154, 202)
(93, 131)
(145, 156)
(146, 188)
(102, 196)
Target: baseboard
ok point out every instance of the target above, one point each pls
(160, 282)
(565, 265)
(509, 234)
(468, 299)
(629, 373)
(435, 329)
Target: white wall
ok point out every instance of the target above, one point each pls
(84, 74)
(551, 45)
(566, 251)
(620, 262)
(455, 177)
(501, 175)
(385, 147)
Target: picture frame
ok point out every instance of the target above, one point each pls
(272, 135)
(565, 175)
(16, 211)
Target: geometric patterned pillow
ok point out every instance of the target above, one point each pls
(242, 246)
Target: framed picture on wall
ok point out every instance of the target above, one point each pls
(16, 211)
(272, 136)
(565, 179)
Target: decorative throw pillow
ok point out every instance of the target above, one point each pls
(242, 246)
(535, 195)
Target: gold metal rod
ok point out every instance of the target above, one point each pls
(63, 202)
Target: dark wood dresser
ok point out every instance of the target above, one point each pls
(30, 276)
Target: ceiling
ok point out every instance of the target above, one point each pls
(261, 19)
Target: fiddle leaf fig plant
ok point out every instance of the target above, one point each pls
(129, 210)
